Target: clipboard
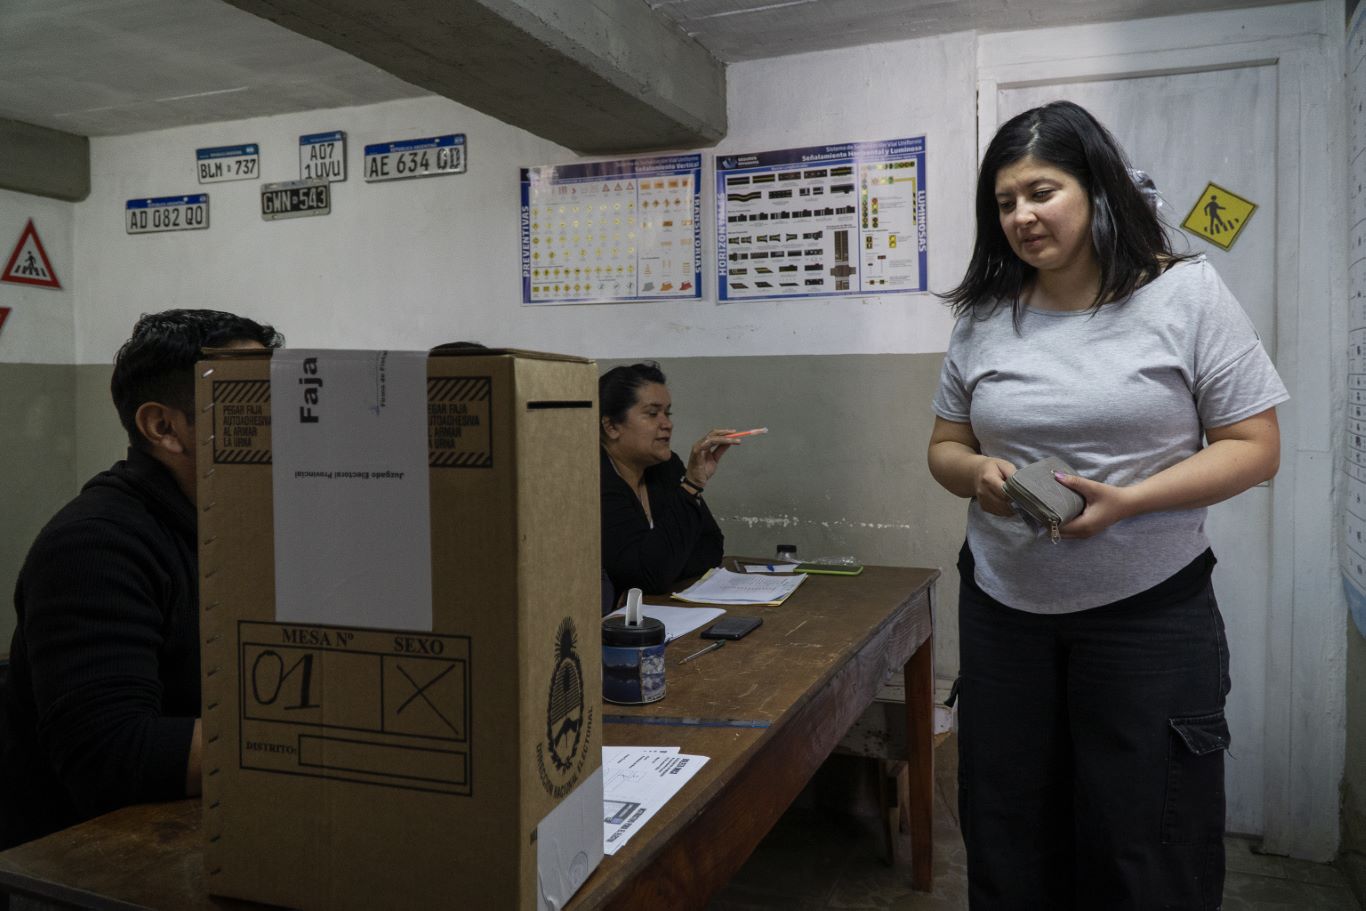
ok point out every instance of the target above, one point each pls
(830, 569)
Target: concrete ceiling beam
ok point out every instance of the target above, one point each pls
(44, 162)
(601, 77)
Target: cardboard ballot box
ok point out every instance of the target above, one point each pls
(400, 593)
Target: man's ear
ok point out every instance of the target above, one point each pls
(164, 427)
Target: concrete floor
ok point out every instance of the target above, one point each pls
(817, 859)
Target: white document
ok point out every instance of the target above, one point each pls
(721, 586)
(637, 782)
(567, 849)
(350, 478)
(678, 621)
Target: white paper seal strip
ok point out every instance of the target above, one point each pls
(352, 508)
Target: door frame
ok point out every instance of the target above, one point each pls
(1305, 686)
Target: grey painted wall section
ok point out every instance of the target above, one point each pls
(102, 440)
(842, 469)
(1354, 777)
(44, 162)
(601, 77)
(37, 452)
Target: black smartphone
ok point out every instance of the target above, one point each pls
(732, 627)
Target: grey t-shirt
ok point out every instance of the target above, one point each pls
(1119, 395)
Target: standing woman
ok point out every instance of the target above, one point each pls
(656, 529)
(1094, 670)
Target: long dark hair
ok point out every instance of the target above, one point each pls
(1130, 243)
(617, 388)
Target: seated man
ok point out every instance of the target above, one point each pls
(101, 705)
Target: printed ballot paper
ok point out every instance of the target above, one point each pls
(720, 586)
(678, 621)
(637, 781)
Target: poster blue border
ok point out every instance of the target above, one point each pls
(850, 153)
(663, 165)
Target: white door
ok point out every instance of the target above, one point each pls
(1187, 130)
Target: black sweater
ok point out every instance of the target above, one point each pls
(685, 540)
(103, 689)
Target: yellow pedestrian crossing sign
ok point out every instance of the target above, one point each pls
(1219, 216)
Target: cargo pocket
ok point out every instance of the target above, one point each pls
(1194, 807)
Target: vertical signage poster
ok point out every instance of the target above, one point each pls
(1354, 466)
(608, 231)
(826, 220)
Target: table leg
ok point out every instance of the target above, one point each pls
(919, 674)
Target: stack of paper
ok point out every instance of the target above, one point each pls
(678, 621)
(636, 782)
(724, 587)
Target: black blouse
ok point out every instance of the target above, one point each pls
(685, 540)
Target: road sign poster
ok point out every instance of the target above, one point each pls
(1219, 216)
(28, 264)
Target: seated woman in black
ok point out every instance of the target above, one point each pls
(655, 527)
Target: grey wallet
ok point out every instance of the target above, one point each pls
(1039, 495)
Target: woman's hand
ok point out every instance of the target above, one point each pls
(706, 452)
(989, 486)
(1105, 505)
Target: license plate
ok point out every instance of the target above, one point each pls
(415, 158)
(295, 199)
(167, 213)
(225, 163)
(322, 156)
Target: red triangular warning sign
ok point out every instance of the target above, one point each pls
(28, 264)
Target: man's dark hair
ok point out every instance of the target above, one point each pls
(617, 388)
(1130, 243)
(461, 346)
(156, 364)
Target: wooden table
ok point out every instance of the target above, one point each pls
(767, 710)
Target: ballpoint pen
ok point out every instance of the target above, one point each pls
(711, 648)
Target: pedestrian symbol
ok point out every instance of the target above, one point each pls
(1219, 216)
(28, 264)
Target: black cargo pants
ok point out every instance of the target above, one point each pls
(1091, 750)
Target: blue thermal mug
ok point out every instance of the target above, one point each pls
(632, 660)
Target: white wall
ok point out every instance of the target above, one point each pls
(411, 263)
(39, 328)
